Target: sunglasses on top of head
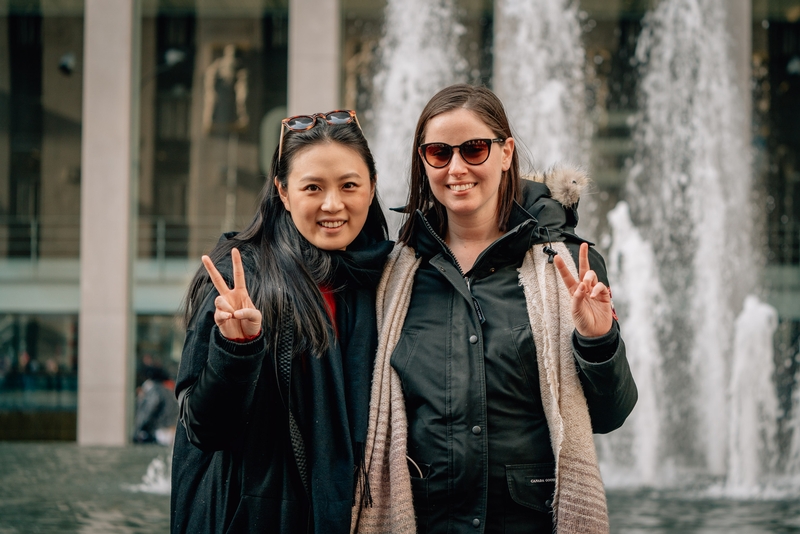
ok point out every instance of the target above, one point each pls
(301, 123)
(473, 152)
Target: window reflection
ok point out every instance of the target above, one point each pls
(38, 375)
(216, 94)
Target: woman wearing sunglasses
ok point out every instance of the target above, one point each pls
(499, 350)
(274, 378)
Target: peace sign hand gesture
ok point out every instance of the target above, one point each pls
(591, 299)
(236, 316)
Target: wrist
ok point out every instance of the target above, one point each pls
(245, 339)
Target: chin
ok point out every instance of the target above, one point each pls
(331, 244)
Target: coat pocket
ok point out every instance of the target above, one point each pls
(532, 485)
(404, 351)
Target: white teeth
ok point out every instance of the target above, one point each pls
(331, 224)
(461, 187)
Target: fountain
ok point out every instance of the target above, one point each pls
(538, 74)
(684, 268)
(419, 56)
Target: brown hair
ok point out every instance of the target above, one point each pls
(485, 104)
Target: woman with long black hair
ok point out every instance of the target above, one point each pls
(274, 378)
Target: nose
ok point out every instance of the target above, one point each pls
(457, 166)
(333, 201)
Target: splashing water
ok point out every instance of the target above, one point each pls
(753, 428)
(419, 56)
(157, 478)
(538, 74)
(685, 268)
(793, 459)
(631, 262)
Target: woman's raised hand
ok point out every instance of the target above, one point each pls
(591, 299)
(236, 316)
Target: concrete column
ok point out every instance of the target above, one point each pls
(314, 56)
(740, 29)
(110, 92)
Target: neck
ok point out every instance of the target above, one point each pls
(468, 239)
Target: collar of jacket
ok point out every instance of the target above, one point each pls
(361, 265)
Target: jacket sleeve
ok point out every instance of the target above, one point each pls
(216, 381)
(606, 379)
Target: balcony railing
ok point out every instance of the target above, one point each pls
(783, 243)
(157, 238)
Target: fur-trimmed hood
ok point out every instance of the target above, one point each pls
(550, 198)
(565, 183)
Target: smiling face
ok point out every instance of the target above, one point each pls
(328, 194)
(469, 193)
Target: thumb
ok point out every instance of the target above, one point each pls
(248, 314)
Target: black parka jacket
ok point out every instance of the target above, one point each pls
(478, 439)
(237, 466)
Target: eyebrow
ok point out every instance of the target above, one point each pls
(346, 176)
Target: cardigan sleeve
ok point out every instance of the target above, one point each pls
(606, 378)
(216, 381)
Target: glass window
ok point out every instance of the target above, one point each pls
(38, 376)
(213, 93)
(40, 132)
(41, 51)
(214, 82)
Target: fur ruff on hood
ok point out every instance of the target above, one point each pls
(566, 183)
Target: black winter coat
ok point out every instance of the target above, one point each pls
(478, 437)
(236, 466)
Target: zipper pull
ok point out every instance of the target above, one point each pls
(481, 317)
(550, 252)
(478, 310)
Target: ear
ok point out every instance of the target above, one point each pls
(282, 194)
(508, 153)
(373, 185)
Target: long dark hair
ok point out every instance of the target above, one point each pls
(485, 104)
(289, 269)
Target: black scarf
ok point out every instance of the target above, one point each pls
(330, 394)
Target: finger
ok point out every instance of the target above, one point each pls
(216, 278)
(220, 316)
(583, 260)
(590, 279)
(579, 295)
(223, 305)
(238, 270)
(563, 270)
(600, 289)
(248, 314)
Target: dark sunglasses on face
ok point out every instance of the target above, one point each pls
(301, 123)
(474, 152)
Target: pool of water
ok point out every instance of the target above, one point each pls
(49, 488)
(60, 487)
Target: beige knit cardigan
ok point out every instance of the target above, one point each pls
(579, 502)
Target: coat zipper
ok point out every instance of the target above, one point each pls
(481, 317)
